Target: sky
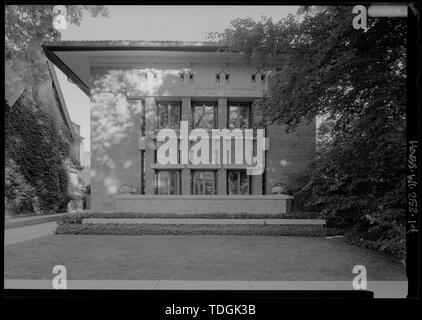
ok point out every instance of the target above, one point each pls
(185, 23)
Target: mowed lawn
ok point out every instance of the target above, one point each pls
(162, 257)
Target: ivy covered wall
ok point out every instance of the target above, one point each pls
(35, 152)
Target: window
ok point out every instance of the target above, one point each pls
(204, 182)
(239, 115)
(204, 115)
(143, 173)
(227, 77)
(168, 114)
(190, 77)
(253, 78)
(167, 182)
(237, 182)
(217, 77)
(262, 77)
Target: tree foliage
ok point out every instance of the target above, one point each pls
(356, 82)
(27, 26)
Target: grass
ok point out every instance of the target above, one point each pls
(163, 257)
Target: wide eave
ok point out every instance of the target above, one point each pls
(73, 57)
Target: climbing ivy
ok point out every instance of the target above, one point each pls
(36, 149)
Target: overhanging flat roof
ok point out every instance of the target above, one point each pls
(62, 52)
(62, 104)
(73, 57)
(125, 45)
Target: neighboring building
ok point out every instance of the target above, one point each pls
(49, 95)
(137, 88)
(53, 93)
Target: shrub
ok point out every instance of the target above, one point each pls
(76, 218)
(72, 218)
(149, 229)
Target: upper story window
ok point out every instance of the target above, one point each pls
(191, 77)
(239, 115)
(204, 115)
(217, 77)
(227, 77)
(253, 78)
(263, 77)
(168, 114)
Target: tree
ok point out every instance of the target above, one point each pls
(27, 26)
(355, 81)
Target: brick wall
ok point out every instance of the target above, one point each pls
(116, 152)
(204, 204)
(115, 156)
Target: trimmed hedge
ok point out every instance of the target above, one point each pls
(180, 229)
(71, 223)
(76, 218)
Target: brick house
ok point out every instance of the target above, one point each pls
(138, 88)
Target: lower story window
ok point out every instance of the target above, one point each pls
(237, 182)
(143, 173)
(204, 182)
(167, 182)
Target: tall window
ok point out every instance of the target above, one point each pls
(204, 182)
(237, 182)
(205, 115)
(168, 114)
(167, 182)
(143, 173)
(239, 115)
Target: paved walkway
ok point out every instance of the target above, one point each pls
(381, 289)
(16, 221)
(31, 217)
(16, 235)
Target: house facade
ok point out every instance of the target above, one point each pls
(139, 88)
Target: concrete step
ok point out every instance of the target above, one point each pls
(320, 222)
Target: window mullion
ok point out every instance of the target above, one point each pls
(238, 182)
(168, 114)
(168, 185)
